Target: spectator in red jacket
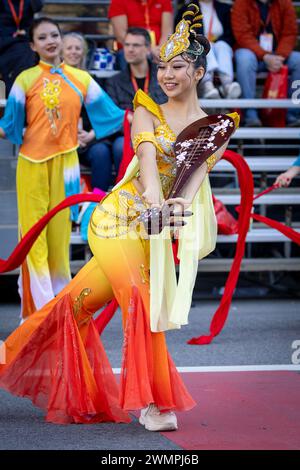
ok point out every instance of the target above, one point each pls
(266, 34)
(156, 16)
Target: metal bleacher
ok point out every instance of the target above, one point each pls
(263, 167)
(268, 151)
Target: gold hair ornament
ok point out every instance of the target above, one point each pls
(179, 43)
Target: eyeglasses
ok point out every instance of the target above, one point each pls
(135, 45)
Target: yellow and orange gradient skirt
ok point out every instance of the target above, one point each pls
(56, 358)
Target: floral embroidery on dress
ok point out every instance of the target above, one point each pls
(50, 96)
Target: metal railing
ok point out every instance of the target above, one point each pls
(242, 103)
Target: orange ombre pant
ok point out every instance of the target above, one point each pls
(56, 357)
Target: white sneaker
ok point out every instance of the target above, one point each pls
(154, 420)
(232, 90)
(210, 92)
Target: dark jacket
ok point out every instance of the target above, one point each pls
(7, 23)
(15, 52)
(223, 12)
(121, 90)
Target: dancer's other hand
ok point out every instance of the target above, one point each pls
(152, 198)
(285, 179)
(178, 206)
(179, 203)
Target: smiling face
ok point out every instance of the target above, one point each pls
(47, 42)
(178, 76)
(136, 50)
(73, 51)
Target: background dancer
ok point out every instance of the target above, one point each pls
(48, 98)
(285, 179)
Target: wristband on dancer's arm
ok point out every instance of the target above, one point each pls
(210, 162)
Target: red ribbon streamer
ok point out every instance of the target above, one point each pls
(128, 152)
(287, 231)
(245, 178)
(22, 249)
(244, 209)
(106, 315)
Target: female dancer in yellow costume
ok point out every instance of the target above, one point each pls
(56, 357)
(49, 97)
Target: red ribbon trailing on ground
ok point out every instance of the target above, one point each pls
(246, 184)
(245, 214)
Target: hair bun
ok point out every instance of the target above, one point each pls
(204, 42)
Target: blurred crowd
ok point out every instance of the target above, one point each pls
(247, 37)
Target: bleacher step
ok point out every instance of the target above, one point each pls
(6, 148)
(224, 265)
(8, 240)
(268, 199)
(8, 208)
(261, 235)
(251, 264)
(8, 173)
(265, 164)
(8, 223)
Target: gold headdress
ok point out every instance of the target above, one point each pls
(179, 42)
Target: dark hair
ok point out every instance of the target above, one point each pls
(135, 31)
(36, 23)
(201, 60)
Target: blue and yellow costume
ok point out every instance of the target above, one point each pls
(48, 101)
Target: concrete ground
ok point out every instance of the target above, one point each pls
(256, 333)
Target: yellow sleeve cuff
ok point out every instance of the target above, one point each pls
(144, 137)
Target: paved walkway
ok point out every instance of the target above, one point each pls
(239, 407)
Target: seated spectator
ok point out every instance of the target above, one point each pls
(140, 72)
(217, 28)
(75, 50)
(266, 34)
(156, 16)
(286, 178)
(16, 54)
(100, 155)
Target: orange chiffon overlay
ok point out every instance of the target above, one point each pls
(57, 359)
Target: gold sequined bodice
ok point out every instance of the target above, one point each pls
(118, 214)
(166, 157)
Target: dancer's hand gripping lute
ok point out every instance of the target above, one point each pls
(198, 143)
